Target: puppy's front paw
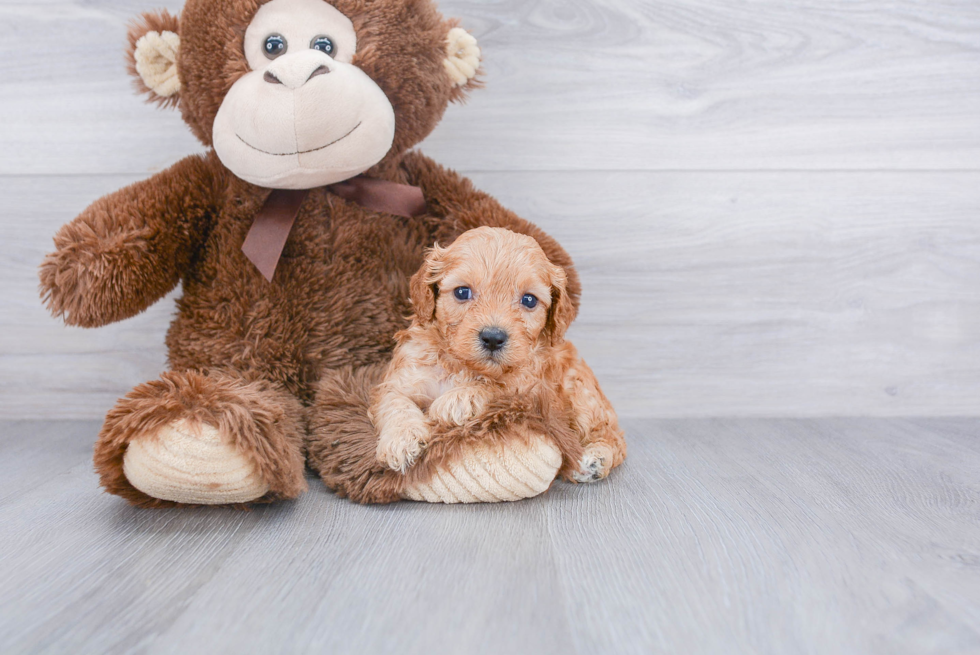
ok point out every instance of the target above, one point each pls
(457, 406)
(400, 448)
(595, 464)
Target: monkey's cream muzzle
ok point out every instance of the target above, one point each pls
(304, 118)
(302, 122)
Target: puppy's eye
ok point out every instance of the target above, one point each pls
(325, 45)
(529, 300)
(274, 46)
(463, 293)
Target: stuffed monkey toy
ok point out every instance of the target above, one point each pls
(294, 238)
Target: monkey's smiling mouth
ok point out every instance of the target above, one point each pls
(298, 152)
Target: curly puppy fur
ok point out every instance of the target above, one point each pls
(490, 318)
(541, 388)
(247, 354)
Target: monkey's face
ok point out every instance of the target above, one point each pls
(304, 116)
(296, 94)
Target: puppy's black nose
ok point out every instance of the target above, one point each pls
(493, 338)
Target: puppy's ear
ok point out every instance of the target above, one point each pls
(424, 287)
(562, 311)
(154, 43)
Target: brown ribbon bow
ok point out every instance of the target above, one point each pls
(270, 230)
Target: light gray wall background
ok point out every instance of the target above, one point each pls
(774, 204)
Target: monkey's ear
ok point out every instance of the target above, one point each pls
(462, 62)
(562, 311)
(154, 44)
(424, 287)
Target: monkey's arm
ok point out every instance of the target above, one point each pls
(128, 249)
(462, 207)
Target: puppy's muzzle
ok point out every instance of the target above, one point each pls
(493, 339)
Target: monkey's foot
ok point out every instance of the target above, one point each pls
(192, 463)
(490, 473)
(202, 439)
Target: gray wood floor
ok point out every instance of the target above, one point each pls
(717, 536)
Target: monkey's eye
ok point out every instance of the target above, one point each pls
(275, 45)
(529, 300)
(463, 293)
(324, 44)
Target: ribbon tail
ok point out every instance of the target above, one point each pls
(270, 230)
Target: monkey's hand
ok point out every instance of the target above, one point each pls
(128, 249)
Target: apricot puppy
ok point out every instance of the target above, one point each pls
(490, 318)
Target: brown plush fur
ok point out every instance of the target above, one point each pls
(340, 292)
(262, 421)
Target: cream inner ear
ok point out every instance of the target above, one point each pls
(156, 62)
(462, 56)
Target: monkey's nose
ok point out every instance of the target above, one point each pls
(493, 338)
(271, 78)
(293, 71)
